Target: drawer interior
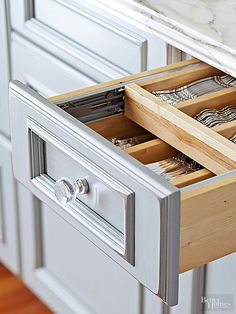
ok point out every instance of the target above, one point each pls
(153, 144)
(151, 150)
(166, 130)
(178, 123)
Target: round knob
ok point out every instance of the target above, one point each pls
(66, 191)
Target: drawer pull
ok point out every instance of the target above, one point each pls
(66, 191)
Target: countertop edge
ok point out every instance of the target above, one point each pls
(178, 35)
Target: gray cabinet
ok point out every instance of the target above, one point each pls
(191, 289)
(220, 289)
(72, 275)
(74, 263)
(113, 178)
(100, 193)
(65, 269)
(89, 36)
(42, 71)
(103, 35)
(9, 237)
(4, 69)
(48, 76)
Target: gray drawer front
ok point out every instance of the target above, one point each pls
(107, 210)
(118, 46)
(104, 37)
(106, 197)
(156, 227)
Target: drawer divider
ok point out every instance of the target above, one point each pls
(202, 144)
(215, 100)
(226, 129)
(151, 151)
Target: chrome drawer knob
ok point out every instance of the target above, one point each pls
(66, 191)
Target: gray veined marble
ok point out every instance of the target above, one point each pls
(214, 18)
(203, 28)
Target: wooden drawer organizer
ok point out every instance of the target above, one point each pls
(208, 212)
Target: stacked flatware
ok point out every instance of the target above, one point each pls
(195, 89)
(131, 141)
(212, 117)
(181, 164)
(174, 167)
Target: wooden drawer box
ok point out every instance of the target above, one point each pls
(124, 208)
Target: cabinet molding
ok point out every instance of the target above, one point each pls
(150, 50)
(9, 237)
(4, 67)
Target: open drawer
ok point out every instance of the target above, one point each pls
(64, 152)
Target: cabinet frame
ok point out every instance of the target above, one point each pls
(9, 232)
(79, 57)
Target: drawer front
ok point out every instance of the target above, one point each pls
(45, 136)
(101, 35)
(9, 244)
(111, 200)
(85, 281)
(111, 47)
(43, 72)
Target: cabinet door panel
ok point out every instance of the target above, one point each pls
(8, 212)
(66, 270)
(84, 269)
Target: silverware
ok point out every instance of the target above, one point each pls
(131, 141)
(212, 117)
(196, 89)
(174, 167)
(181, 164)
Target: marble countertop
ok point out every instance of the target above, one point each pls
(202, 28)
